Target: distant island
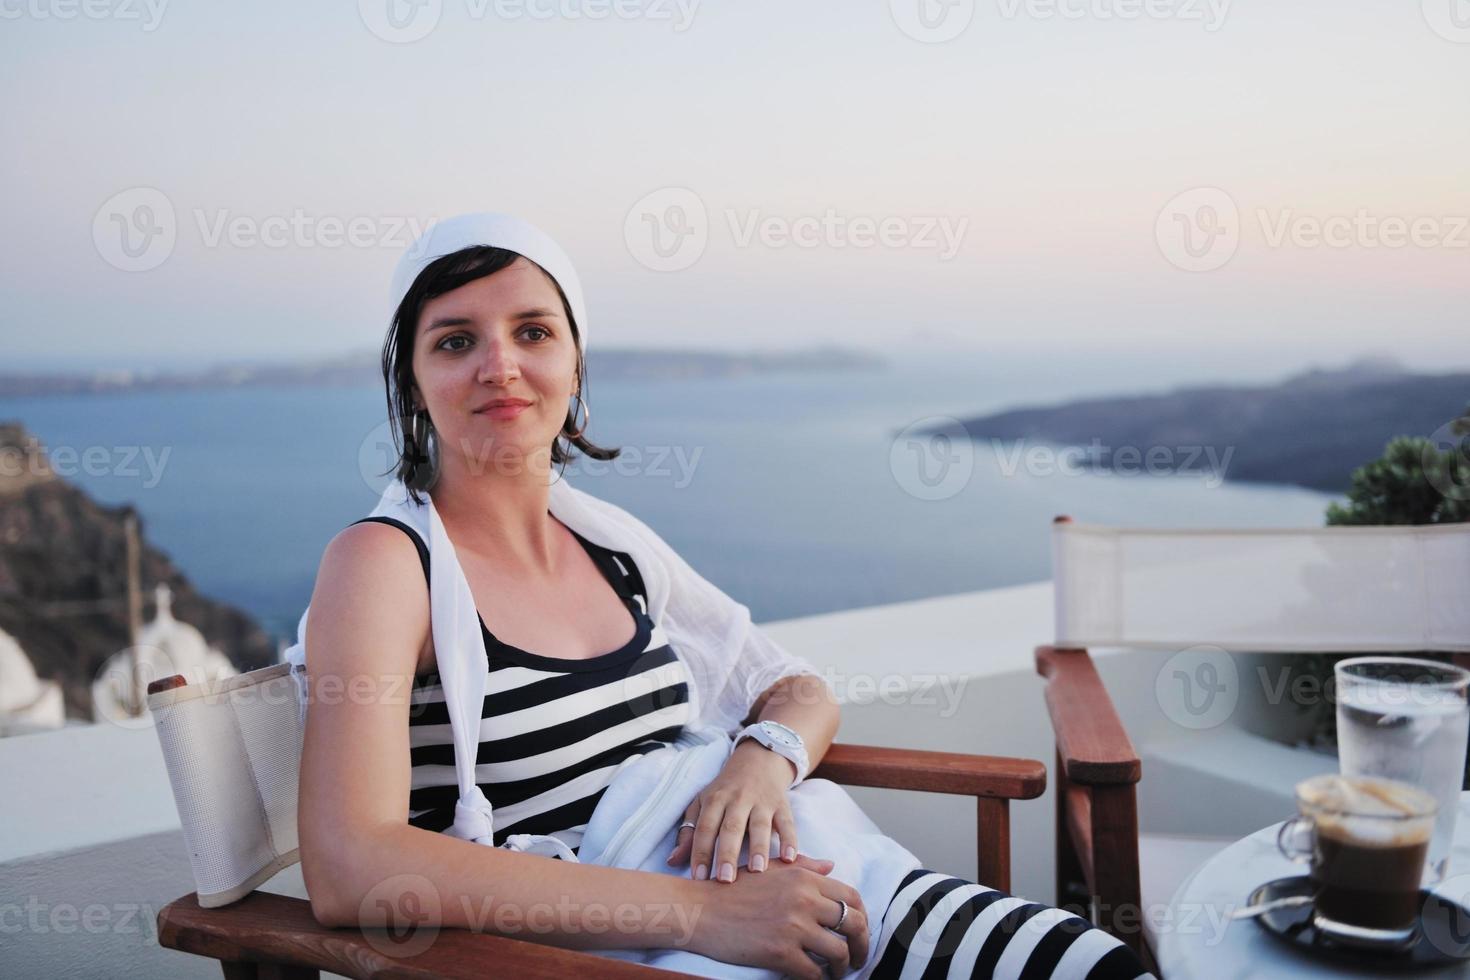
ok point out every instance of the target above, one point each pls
(362, 367)
(1311, 430)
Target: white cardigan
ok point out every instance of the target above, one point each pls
(730, 660)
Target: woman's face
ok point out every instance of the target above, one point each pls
(505, 335)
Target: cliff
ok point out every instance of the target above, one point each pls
(63, 578)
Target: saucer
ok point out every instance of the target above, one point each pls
(1442, 934)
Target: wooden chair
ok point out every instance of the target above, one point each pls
(261, 935)
(1338, 589)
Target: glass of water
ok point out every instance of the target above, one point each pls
(1407, 719)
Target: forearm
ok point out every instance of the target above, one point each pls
(402, 875)
(805, 704)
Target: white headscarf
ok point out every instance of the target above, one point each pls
(498, 230)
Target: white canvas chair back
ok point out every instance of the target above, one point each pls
(1335, 589)
(233, 752)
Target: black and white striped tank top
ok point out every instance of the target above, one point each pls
(554, 731)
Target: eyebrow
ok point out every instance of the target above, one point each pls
(534, 313)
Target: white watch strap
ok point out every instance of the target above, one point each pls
(797, 759)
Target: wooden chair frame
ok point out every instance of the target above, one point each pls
(273, 937)
(1096, 798)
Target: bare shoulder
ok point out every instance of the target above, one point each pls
(371, 599)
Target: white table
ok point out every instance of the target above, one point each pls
(1197, 939)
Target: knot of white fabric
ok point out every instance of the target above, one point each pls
(474, 820)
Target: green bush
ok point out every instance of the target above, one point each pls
(1414, 483)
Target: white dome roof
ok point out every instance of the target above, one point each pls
(19, 684)
(179, 643)
(166, 646)
(27, 703)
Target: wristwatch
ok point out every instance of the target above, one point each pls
(780, 740)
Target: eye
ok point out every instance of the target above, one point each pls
(541, 329)
(444, 344)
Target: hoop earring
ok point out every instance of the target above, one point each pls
(587, 409)
(422, 453)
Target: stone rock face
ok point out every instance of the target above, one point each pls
(63, 579)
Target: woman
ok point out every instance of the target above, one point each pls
(542, 754)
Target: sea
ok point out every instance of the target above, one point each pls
(797, 493)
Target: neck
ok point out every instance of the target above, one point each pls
(500, 512)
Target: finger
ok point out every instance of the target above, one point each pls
(760, 839)
(822, 866)
(786, 830)
(841, 890)
(854, 929)
(684, 839)
(703, 847)
(830, 947)
(732, 835)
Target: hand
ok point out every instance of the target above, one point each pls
(748, 797)
(776, 920)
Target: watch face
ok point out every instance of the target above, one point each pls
(780, 733)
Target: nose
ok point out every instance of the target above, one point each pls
(499, 366)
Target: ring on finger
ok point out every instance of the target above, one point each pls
(842, 917)
(687, 823)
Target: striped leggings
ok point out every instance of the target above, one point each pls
(939, 926)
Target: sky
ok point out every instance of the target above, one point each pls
(1245, 184)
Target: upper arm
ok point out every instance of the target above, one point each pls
(369, 618)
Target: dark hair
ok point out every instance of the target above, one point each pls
(441, 276)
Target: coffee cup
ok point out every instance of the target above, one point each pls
(1365, 840)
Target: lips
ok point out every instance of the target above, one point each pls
(504, 408)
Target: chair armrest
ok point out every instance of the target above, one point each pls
(933, 772)
(268, 928)
(1091, 743)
